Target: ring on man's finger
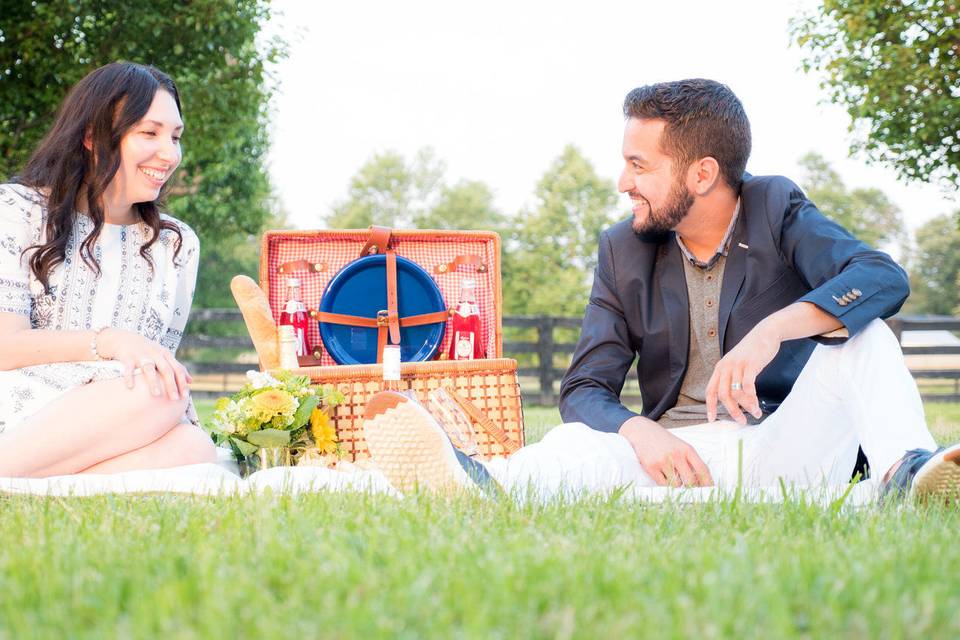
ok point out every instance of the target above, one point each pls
(736, 386)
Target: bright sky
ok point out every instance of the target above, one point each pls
(498, 88)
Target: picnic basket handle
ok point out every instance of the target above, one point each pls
(486, 424)
(378, 242)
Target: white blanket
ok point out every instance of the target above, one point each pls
(221, 478)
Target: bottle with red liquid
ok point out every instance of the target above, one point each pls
(467, 344)
(294, 314)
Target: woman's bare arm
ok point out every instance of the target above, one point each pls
(21, 346)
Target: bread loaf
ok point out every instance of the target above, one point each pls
(258, 318)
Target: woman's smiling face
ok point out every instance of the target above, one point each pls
(149, 153)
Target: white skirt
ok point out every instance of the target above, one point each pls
(24, 392)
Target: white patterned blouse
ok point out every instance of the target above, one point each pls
(127, 294)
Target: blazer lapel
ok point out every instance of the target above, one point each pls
(734, 272)
(673, 290)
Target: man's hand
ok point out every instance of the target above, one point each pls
(666, 458)
(744, 362)
(733, 378)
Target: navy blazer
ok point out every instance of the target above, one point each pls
(783, 251)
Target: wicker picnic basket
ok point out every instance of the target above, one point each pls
(487, 389)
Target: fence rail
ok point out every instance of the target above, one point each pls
(543, 358)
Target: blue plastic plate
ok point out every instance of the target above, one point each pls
(360, 289)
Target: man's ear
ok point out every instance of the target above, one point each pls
(703, 175)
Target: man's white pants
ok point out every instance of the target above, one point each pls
(859, 393)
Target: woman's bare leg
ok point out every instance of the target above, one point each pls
(86, 426)
(184, 444)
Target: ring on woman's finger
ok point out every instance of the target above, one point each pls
(147, 362)
(735, 386)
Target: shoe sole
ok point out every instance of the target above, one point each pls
(409, 447)
(939, 479)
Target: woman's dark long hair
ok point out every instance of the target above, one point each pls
(102, 107)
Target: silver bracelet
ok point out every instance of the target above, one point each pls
(93, 344)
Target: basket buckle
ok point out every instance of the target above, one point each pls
(383, 318)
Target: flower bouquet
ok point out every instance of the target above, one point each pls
(271, 413)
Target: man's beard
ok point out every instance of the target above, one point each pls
(660, 221)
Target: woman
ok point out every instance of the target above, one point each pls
(95, 288)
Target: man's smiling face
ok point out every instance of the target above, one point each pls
(660, 198)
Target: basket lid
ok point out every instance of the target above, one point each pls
(360, 289)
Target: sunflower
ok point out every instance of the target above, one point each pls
(273, 402)
(324, 435)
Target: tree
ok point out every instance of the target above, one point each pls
(209, 47)
(935, 267)
(552, 252)
(866, 213)
(466, 205)
(895, 67)
(388, 190)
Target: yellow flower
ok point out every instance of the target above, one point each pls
(272, 402)
(324, 435)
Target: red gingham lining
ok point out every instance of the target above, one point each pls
(336, 251)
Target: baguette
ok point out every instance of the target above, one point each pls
(258, 318)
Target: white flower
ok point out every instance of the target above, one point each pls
(260, 379)
(225, 426)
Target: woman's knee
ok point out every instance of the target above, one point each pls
(159, 409)
(189, 444)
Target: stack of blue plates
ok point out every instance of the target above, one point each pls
(360, 289)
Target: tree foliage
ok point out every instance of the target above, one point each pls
(209, 47)
(551, 253)
(867, 213)
(935, 267)
(895, 67)
(391, 191)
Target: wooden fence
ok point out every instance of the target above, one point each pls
(218, 362)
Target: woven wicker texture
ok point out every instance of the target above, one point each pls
(490, 385)
(333, 250)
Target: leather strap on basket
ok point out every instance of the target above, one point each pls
(468, 259)
(393, 315)
(485, 423)
(380, 323)
(301, 265)
(378, 242)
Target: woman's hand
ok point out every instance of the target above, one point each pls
(158, 364)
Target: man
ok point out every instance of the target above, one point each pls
(722, 285)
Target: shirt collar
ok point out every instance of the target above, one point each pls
(722, 249)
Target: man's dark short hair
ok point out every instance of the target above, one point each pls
(703, 118)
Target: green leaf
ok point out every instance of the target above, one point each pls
(269, 438)
(244, 448)
(891, 71)
(307, 405)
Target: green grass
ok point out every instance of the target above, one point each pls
(360, 566)
(335, 565)
(943, 418)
